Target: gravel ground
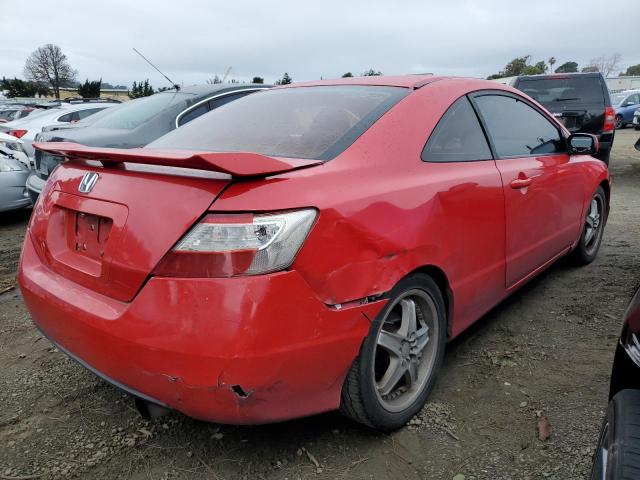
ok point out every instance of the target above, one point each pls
(539, 361)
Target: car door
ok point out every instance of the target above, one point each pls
(629, 107)
(469, 208)
(543, 189)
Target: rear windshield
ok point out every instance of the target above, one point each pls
(131, 114)
(301, 122)
(554, 91)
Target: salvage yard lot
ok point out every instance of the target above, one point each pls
(543, 356)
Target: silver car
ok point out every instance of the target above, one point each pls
(13, 174)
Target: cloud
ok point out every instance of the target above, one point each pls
(195, 40)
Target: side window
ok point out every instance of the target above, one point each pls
(195, 113)
(634, 99)
(82, 114)
(218, 102)
(67, 117)
(457, 137)
(517, 129)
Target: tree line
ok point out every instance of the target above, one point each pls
(606, 64)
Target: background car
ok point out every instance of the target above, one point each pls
(136, 123)
(11, 147)
(321, 252)
(625, 104)
(636, 119)
(581, 101)
(11, 112)
(13, 174)
(60, 112)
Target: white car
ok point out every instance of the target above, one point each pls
(11, 147)
(636, 119)
(26, 129)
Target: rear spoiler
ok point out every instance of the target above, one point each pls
(236, 164)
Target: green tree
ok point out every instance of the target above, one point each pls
(285, 80)
(538, 68)
(90, 89)
(567, 67)
(520, 66)
(19, 88)
(347, 75)
(371, 73)
(142, 89)
(633, 70)
(590, 69)
(257, 80)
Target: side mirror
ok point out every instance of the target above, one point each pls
(583, 144)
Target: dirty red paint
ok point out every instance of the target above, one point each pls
(253, 349)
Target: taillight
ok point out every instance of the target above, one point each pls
(609, 120)
(17, 133)
(226, 245)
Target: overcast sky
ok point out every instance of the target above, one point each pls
(194, 40)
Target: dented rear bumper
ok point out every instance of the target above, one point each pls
(239, 350)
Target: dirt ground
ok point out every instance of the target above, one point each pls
(543, 355)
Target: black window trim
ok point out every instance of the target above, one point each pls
(482, 128)
(213, 97)
(496, 92)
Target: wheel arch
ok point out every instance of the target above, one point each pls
(440, 278)
(607, 192)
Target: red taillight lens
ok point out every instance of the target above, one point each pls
(609, 120)
(17, 133)
(226, 245)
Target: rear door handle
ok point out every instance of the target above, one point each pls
(520, 183)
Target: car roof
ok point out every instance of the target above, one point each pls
(544, 76)
(407, 81)
(410, 81)
(208, 88)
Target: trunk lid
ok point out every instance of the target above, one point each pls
(106, 228)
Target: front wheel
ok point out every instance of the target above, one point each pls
(592, 230)
(391, 378)
(617, 455)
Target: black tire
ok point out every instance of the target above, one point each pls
(587, 248)
(361, 400)
(617, 455)
(619, 122)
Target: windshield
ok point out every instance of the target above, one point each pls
(302, 122)
(135, 112)
(551, 91)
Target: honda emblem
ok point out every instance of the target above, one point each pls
(88, 181)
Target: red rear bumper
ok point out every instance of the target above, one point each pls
(190, 343)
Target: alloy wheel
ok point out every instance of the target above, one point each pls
(405, 352)
(593, 224)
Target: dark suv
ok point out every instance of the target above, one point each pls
(579, 100)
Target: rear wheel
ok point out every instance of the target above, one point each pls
(619, 123)
(396, 369)
(617, 455)
(593, 229)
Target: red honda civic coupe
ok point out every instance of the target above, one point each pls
(307, 248)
